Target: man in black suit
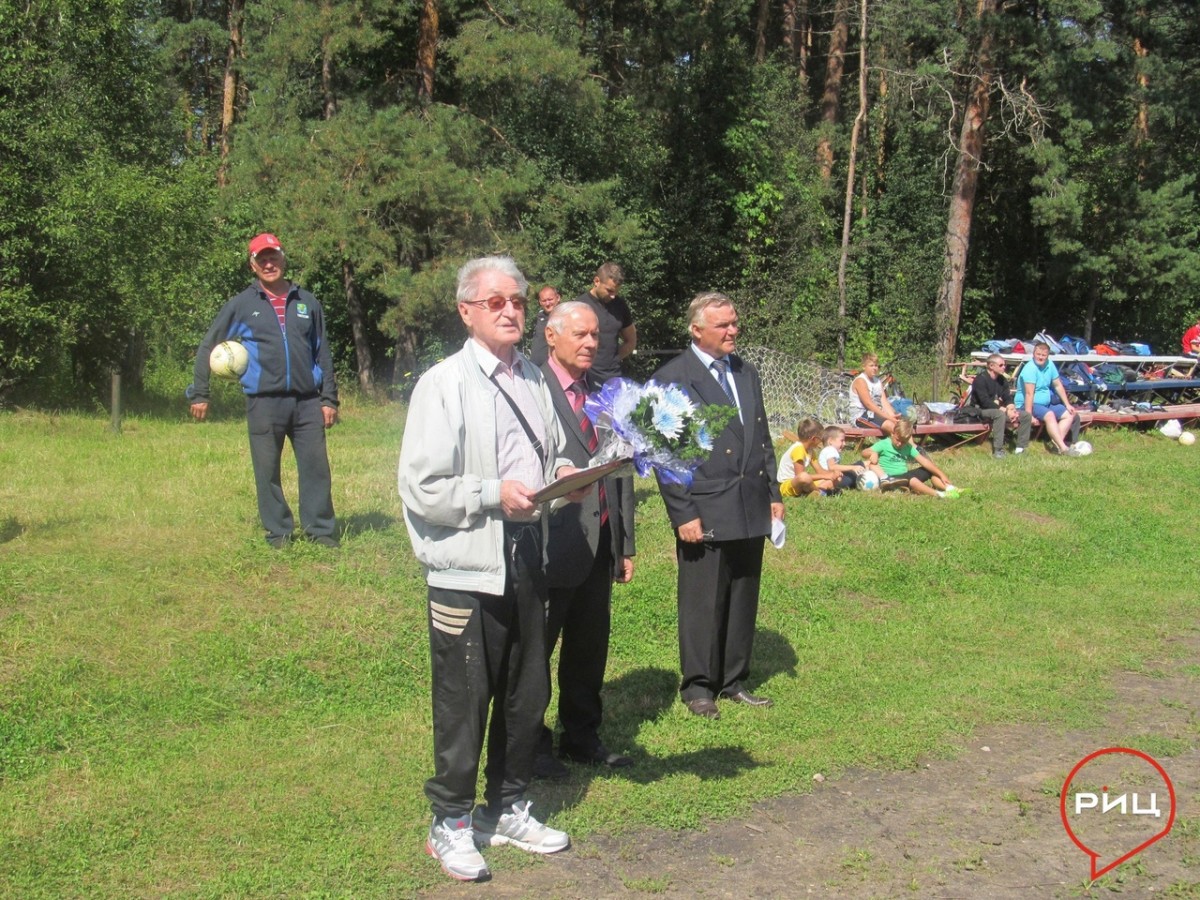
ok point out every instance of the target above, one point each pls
(590, 546)
(722, 519)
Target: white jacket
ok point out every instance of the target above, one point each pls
(449, 480)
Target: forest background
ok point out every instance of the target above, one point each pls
(902, 176)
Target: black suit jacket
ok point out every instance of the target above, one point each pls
(733, 491)
(574, 530)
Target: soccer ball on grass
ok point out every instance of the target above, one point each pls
(867, 481)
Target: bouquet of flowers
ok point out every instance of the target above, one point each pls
(657, 425)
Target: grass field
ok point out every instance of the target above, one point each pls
(184, 711)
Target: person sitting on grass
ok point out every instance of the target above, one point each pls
(868, 404)
(792, 475)
(829, 460)
(893, 454)
(1037, 383)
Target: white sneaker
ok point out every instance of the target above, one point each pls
(1019, 450)
(452, 843)
(519, 828)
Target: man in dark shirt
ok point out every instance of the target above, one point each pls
(548, 298)
(989, 391)
(618, 334)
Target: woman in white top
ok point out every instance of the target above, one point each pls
(868, 404)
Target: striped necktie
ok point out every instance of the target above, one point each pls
(578, 396)
(721, 368)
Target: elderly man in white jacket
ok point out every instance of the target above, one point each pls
(480, 441)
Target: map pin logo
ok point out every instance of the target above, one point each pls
(1103, 824)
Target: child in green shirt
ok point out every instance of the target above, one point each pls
(893, 454)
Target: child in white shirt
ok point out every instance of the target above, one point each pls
(829, 465)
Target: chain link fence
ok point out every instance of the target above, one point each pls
(793, 389)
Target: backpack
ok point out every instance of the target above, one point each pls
(1074, 344)
(1115, 374)
(998, 346)
(1080, 375)
(1121, 348)
(1055, 346)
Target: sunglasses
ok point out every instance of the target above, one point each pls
(497, 302)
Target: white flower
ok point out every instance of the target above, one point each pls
(667, 420)
(675, 397)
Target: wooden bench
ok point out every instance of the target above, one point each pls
(1184, 412)
(965, 431)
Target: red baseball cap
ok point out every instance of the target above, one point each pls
(264, 241)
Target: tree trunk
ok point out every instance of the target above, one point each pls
(848, 210)
(328, 95)
(114, 422)
(354, 308)
(1093, 302)
(358, 330)
(948, 309)
(831, 99)
(789, 29)
(406, 358)
(760, 30)
(233, 52)
(427, 38)
(804, 32)
(1141, 123)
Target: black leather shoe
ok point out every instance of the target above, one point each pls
(749, 699)
(547, 767)
(599, 756)
(703, 707)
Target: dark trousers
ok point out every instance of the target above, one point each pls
(998, 419)
(497, 662)
(718, 605)
(582, 616)
(270, 419)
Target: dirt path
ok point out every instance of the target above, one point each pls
(986, 824)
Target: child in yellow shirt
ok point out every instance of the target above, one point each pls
(793, 477)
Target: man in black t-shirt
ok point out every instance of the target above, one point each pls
(548, 298)
(618, 334)
(989, 391)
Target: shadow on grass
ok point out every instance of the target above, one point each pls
(773, 655)
(10, 529)
(646, 694)
(362, 523)
(644, 491)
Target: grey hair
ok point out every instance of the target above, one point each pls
(562, 312)
(469, 274)
(702, 302)
(995, 357)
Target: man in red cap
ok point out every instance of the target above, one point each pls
(290, 391)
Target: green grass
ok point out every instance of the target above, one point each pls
(184, 711)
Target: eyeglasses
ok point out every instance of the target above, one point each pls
(497, 302)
